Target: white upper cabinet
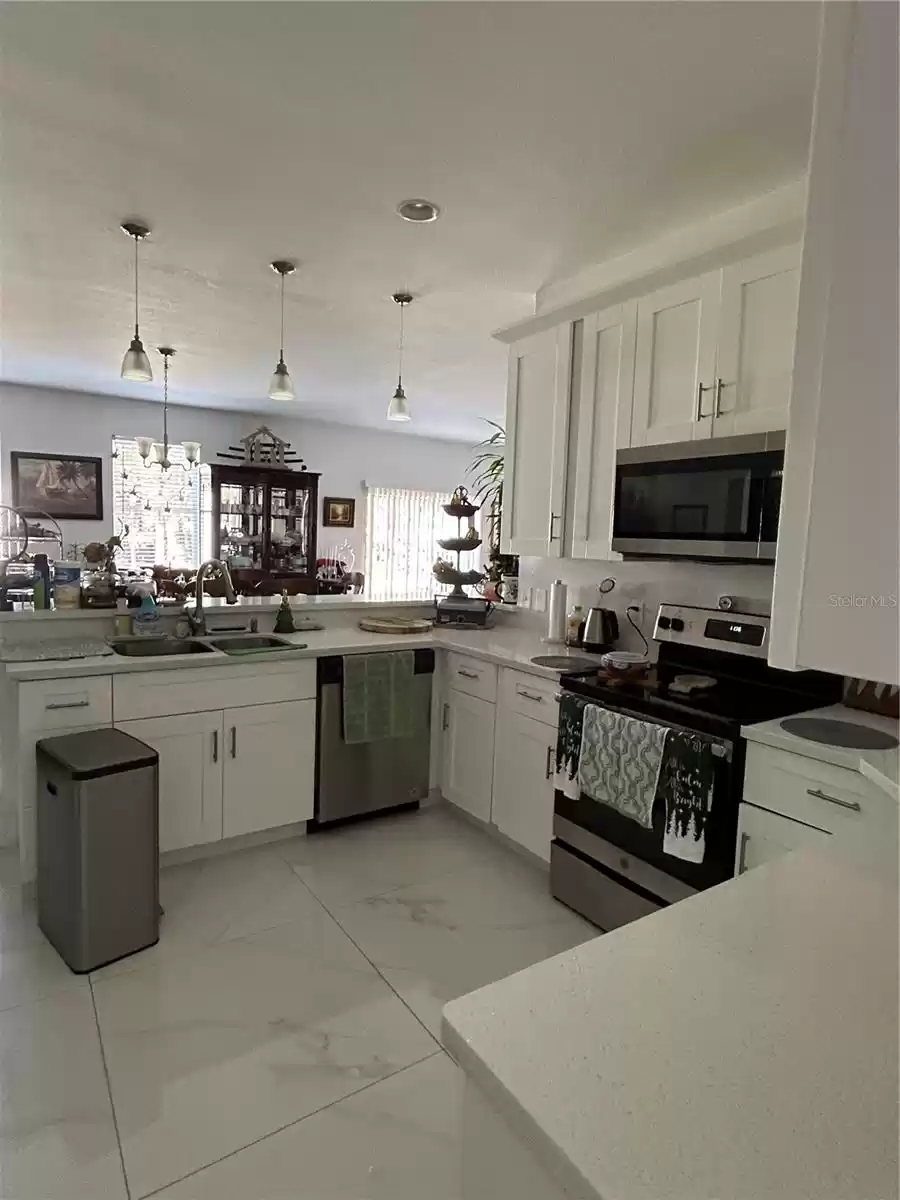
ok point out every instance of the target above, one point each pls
(537, 424)
(756, 343)
(675, 362)
(835, 602)
(604, 425)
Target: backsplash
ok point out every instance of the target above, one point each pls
(647, 583)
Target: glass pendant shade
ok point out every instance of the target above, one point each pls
(280, 386)
(136, 364)
(192, 452)
(398, 409)
(144, 447)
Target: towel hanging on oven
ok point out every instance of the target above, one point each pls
(568, 743)
(620, 762)
(686, 786)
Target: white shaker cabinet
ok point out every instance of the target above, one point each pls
(755, 357)
(191, 755)
(523, 781)
(537, 423)
(835, 601)
(675, 362)
(468, 752)
(269, 766)
(764, 836)
(604, 425)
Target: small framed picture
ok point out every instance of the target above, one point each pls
(337, 510)
(67, 487)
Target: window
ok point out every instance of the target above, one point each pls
(402, 531)
(168, 514)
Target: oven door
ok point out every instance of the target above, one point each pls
(720, 499)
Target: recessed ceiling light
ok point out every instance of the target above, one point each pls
(418, 210)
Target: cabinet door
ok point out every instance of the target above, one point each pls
(523, 781)
(756, 343)
(270, 757)
(537, 425)
(675, 362)
(190, 749)
(604, 425)
(468, 758)
(764, 836)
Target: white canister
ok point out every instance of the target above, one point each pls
(67, 585)
(556, 622)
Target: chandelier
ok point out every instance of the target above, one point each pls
(156, 454)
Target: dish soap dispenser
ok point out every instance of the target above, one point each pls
(284, 618)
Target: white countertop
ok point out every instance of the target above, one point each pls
(511, 647)
(739, 1045)
(881, 766)
(350, 602)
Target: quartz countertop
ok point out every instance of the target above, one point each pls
(738, 1045)
(880, 766)
(509, 647)
(348, 602)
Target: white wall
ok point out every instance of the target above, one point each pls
(44, 420)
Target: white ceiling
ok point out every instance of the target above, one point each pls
(552, 134)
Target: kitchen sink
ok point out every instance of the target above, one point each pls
(253, 643)
(153, 647)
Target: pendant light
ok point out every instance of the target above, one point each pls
(280, 386)
(136, 364)
(398, 409)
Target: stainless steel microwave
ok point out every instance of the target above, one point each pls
(716, 499)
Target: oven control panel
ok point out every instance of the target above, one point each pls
(740, 633)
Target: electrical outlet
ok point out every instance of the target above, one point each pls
(525, 597)
(539, 599)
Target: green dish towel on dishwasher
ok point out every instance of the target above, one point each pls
(378, 696)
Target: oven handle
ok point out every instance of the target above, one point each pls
(719, 748)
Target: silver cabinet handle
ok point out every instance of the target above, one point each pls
(526, 695)
(67, 704)
(468, 674)
(701, 388)
(551, 536)
(549, 768)
(742, 857)
(853, 805)
(445, 719)
(720, 383)
(234, 741)
(215, 745)
(557, 696)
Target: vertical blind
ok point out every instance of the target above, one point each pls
(168, 513)
(402, 531)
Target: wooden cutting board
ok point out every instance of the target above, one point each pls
(395, 625)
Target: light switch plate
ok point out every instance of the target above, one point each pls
(539, 600)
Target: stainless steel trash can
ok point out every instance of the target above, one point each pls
(97, 845)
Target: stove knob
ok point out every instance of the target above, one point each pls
(677, 624)
(664, 622)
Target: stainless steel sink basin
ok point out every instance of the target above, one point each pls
(154, 647)
(252, 643)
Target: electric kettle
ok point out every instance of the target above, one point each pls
(601, 631)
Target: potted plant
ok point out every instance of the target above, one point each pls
(486, 473)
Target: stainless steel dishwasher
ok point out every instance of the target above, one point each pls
(369, 777)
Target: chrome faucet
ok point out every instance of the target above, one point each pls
(197, 618)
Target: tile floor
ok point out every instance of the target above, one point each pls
(281, 1040)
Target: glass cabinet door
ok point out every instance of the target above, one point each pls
(289, 530)
(242, 524)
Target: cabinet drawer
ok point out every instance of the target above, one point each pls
(827, 797)
(207, 689)
(530, 696)
(472, 676)
(51, 704)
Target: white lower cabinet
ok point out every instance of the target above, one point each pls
(468, 753)
(523, 781)
(222, 774)
(190, 748)
(269, 766)
(764, 836)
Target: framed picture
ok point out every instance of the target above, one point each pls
(337, 510)
(67, 487)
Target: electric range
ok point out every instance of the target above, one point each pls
(607, 866)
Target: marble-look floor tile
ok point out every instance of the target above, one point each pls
(57, 1138)
(398, 1140)
(209, 1053)
(358, 861)
(30, 969)
(219, 898)
(436, 941)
